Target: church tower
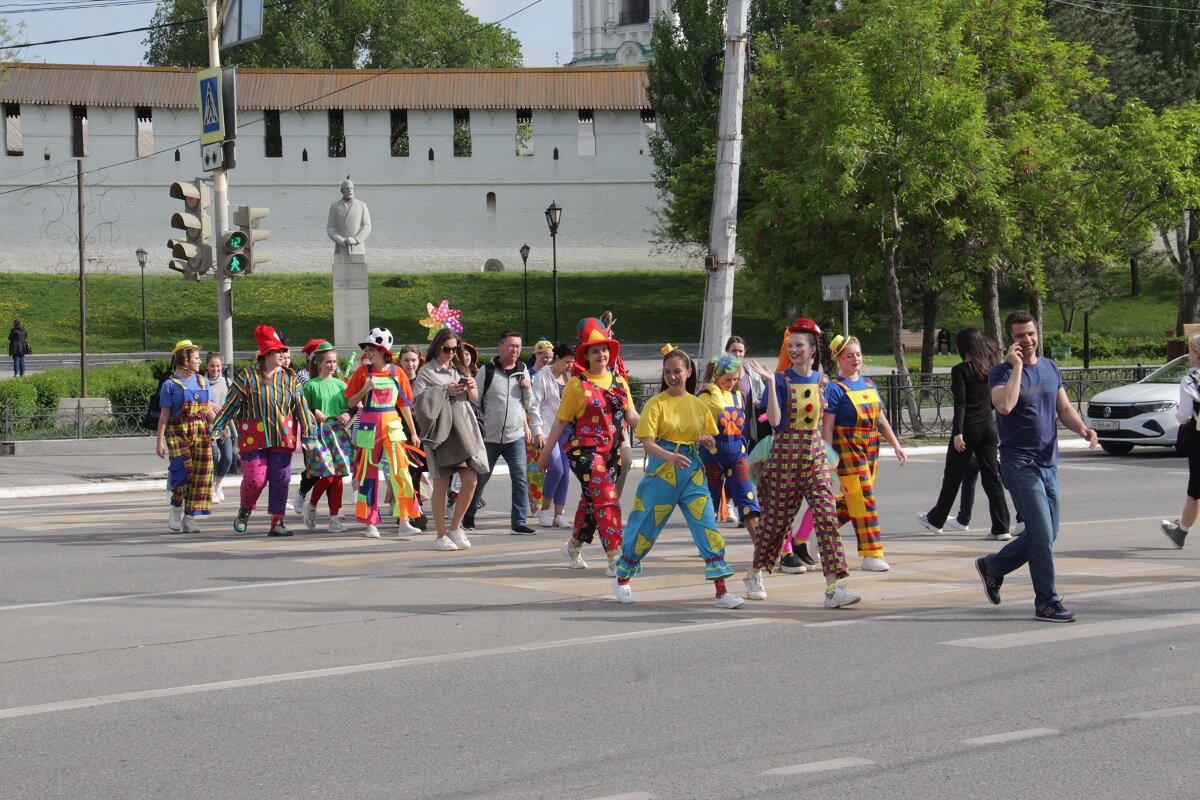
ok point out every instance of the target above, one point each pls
(616, 32)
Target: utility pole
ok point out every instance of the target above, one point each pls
(220, 210)
(82, 281)
(717, 322)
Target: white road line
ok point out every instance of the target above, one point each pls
(1054, 634)
(354, 669)
(1162, 713)
(1155, 587)
(629, 796)
(1013, 736)
(821, 766)
(206, 590)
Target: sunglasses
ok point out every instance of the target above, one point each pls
(448, 350)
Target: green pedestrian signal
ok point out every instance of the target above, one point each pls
(235, 261)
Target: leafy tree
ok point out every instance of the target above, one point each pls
(348, 34)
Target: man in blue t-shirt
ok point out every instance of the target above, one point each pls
(1028, 393)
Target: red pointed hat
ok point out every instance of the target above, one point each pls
(268, 340)
(592, 331)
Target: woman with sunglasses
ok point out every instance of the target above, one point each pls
(444, 395)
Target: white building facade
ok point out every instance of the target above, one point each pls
(457, 166)
(616, 32)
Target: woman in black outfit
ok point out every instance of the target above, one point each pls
(974, 433)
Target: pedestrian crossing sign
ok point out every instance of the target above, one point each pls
(212, 120)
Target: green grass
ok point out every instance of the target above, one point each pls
(650, 307)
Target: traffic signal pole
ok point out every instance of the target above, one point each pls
(220, 212)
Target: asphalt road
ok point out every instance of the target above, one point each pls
(140, 664)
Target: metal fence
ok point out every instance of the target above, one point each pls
(72, 422)
(927, 409)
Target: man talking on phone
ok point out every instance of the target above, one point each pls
(1028, 394)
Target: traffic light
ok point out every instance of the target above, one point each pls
(192, 254)
(240, 252)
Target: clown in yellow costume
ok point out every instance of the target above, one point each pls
(853, 422)
(673, 423)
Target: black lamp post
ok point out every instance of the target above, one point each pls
(553, 217)
(141, 257)
(525, 263)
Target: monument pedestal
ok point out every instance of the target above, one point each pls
(351, 302)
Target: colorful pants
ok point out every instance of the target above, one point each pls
(260, 467)
(664, 487)
(796, 472)
(190, 475)
(727, 468)
(333, 485)
(599, 504)
(859, 449)
(381, 434)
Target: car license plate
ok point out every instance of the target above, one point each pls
(1106, 425)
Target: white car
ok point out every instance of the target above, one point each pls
(1140, 413)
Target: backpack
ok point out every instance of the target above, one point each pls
(489, 372)
(153, 409)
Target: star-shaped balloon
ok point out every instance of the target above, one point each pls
(443, 316)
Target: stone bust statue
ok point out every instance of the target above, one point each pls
(349, 222)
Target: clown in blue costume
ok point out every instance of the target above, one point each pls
(725, 462)
(673, 425)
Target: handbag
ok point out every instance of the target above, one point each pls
(1188, 440)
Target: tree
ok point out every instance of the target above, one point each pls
(348, 34)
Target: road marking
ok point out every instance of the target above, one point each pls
(629, 796)
(1060, 633)
(118, 597)
(1162, 713)
(821, 766)
(1154, 587)
(1013, 736)
(354, 669)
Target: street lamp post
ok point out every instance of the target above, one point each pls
(141, 257)
(525, 263)
(553, 217)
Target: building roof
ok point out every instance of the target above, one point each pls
(282, 89)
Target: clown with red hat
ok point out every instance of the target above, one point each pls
(595, 408)
(796, 470)
(266, 407)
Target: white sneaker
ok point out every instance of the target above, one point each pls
(875, 564)
(1003, 536)
(406, 528)
(175, 518)
(729, 600)
(953, 524)
(622, 592)
(444, 543)
(308, 515)
(1018, 529)
(611, 572)
(218, 495)
(545, 518)
(756, 588)
(923, 518)
(460, 540)
(298, 502)
(336, 525)
(838, 596)
(372, 532)
(190, 525)
(574, 556)
(561, 522)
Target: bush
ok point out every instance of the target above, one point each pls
(128, 391)
(53, 385)
(18, 393)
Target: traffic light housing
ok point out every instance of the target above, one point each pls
(191, 255)
(240, 252)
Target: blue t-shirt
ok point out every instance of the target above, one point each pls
(794, 417)
(844, 409)
(172, 395)
(1030, 430)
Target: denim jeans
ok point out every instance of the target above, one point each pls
(18, 366)
(1034, 491)
(514, 457)
(222, 457)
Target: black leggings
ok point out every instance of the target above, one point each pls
(982, 441)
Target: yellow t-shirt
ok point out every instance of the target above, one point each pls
(682, 419)
(573, 398)
(717, 399)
